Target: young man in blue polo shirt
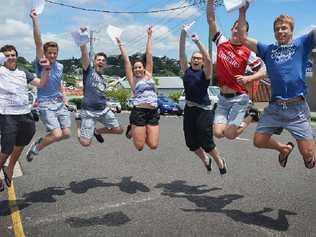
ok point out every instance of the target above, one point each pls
(52, 103)
(286, 63)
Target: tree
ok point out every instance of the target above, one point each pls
(70, 80)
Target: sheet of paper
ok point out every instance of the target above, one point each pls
(2, 58)
(38, 5)
(114, 32)
(80, 37)
(187, 27)
(231, 5)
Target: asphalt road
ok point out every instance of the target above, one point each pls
(111, 189)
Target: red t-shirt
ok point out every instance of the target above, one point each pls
(233, 60)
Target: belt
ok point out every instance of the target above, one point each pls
(230, 95)
(292, 101)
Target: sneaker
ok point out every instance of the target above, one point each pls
(128, 132)
(32, 151)
(254, 113)
(223, 170)
(98, 137)
(209, 165)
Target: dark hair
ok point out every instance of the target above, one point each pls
(139, 58)
(50, 44)
(9, 47)
(100, 54)
(247, 25)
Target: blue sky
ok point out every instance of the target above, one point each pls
(57, 22)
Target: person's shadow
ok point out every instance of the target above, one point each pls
(85, 185)
(180, 186)
(131, 187)
(110, 219)
(205, 203)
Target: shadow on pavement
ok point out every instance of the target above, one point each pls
(110, 219)
(47, 195)
(178, 189)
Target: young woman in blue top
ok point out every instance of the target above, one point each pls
(144, 117)
(286, 63)
(198, 111)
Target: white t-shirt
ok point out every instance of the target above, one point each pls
(13, 91)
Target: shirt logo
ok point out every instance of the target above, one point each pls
(283, 54)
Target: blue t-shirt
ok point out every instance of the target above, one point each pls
(196, 86)
(286, 66)
(53, 87)
(94, 90)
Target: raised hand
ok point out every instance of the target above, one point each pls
(83, 29)
(45, 63)
(150, 31)
(195, 38)
(33, 14)
(187, 27)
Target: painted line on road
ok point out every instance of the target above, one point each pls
(242, 139)
(15, 213)
(84, 210)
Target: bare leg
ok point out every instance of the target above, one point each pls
(262, 140)
(152, 136)
(202, 155)
(215, 155)
(17, 151)
(139, 136)
(306, 148)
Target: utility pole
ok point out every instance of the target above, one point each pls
(91, 53)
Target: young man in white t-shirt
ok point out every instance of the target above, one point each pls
(17, 126)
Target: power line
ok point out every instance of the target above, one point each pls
(119, 12)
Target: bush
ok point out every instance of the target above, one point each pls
(76, 101)
(175, 95)
(122, 95)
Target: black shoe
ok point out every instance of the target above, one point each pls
(32, 151)
(223, 170)
(98, 137)
(128, 131)
(209, 165)
(254, 113)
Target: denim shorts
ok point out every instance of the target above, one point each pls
(89, 119)
(294, 118)
(231, 111)
(54, 114)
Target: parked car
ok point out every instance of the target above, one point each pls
(114, 105)
(168, 106)
(213, 92)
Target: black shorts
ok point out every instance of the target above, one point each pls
(16, 130)
(198, 128)
(143, 117)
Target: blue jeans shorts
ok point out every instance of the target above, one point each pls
(231, 111)
(294, 118)
(54, 114)
(89, 119)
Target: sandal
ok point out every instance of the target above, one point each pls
(6, 179)
(310, 163)
(283, 159)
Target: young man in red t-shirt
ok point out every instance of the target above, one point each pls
(232, 60)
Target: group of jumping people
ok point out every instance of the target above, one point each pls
(284, 62)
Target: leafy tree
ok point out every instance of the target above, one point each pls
(70, 80)
(122, 95)
(175, 95)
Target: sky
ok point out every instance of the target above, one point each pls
(58, 22)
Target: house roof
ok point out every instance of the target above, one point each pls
(163, 83)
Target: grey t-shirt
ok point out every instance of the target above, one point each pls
(94, 90)
(13, 90)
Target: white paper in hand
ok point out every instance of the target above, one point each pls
(187, 27)
(80, 38)
(3, 58)
(114, 32)
(38, 6)
(231, 5)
